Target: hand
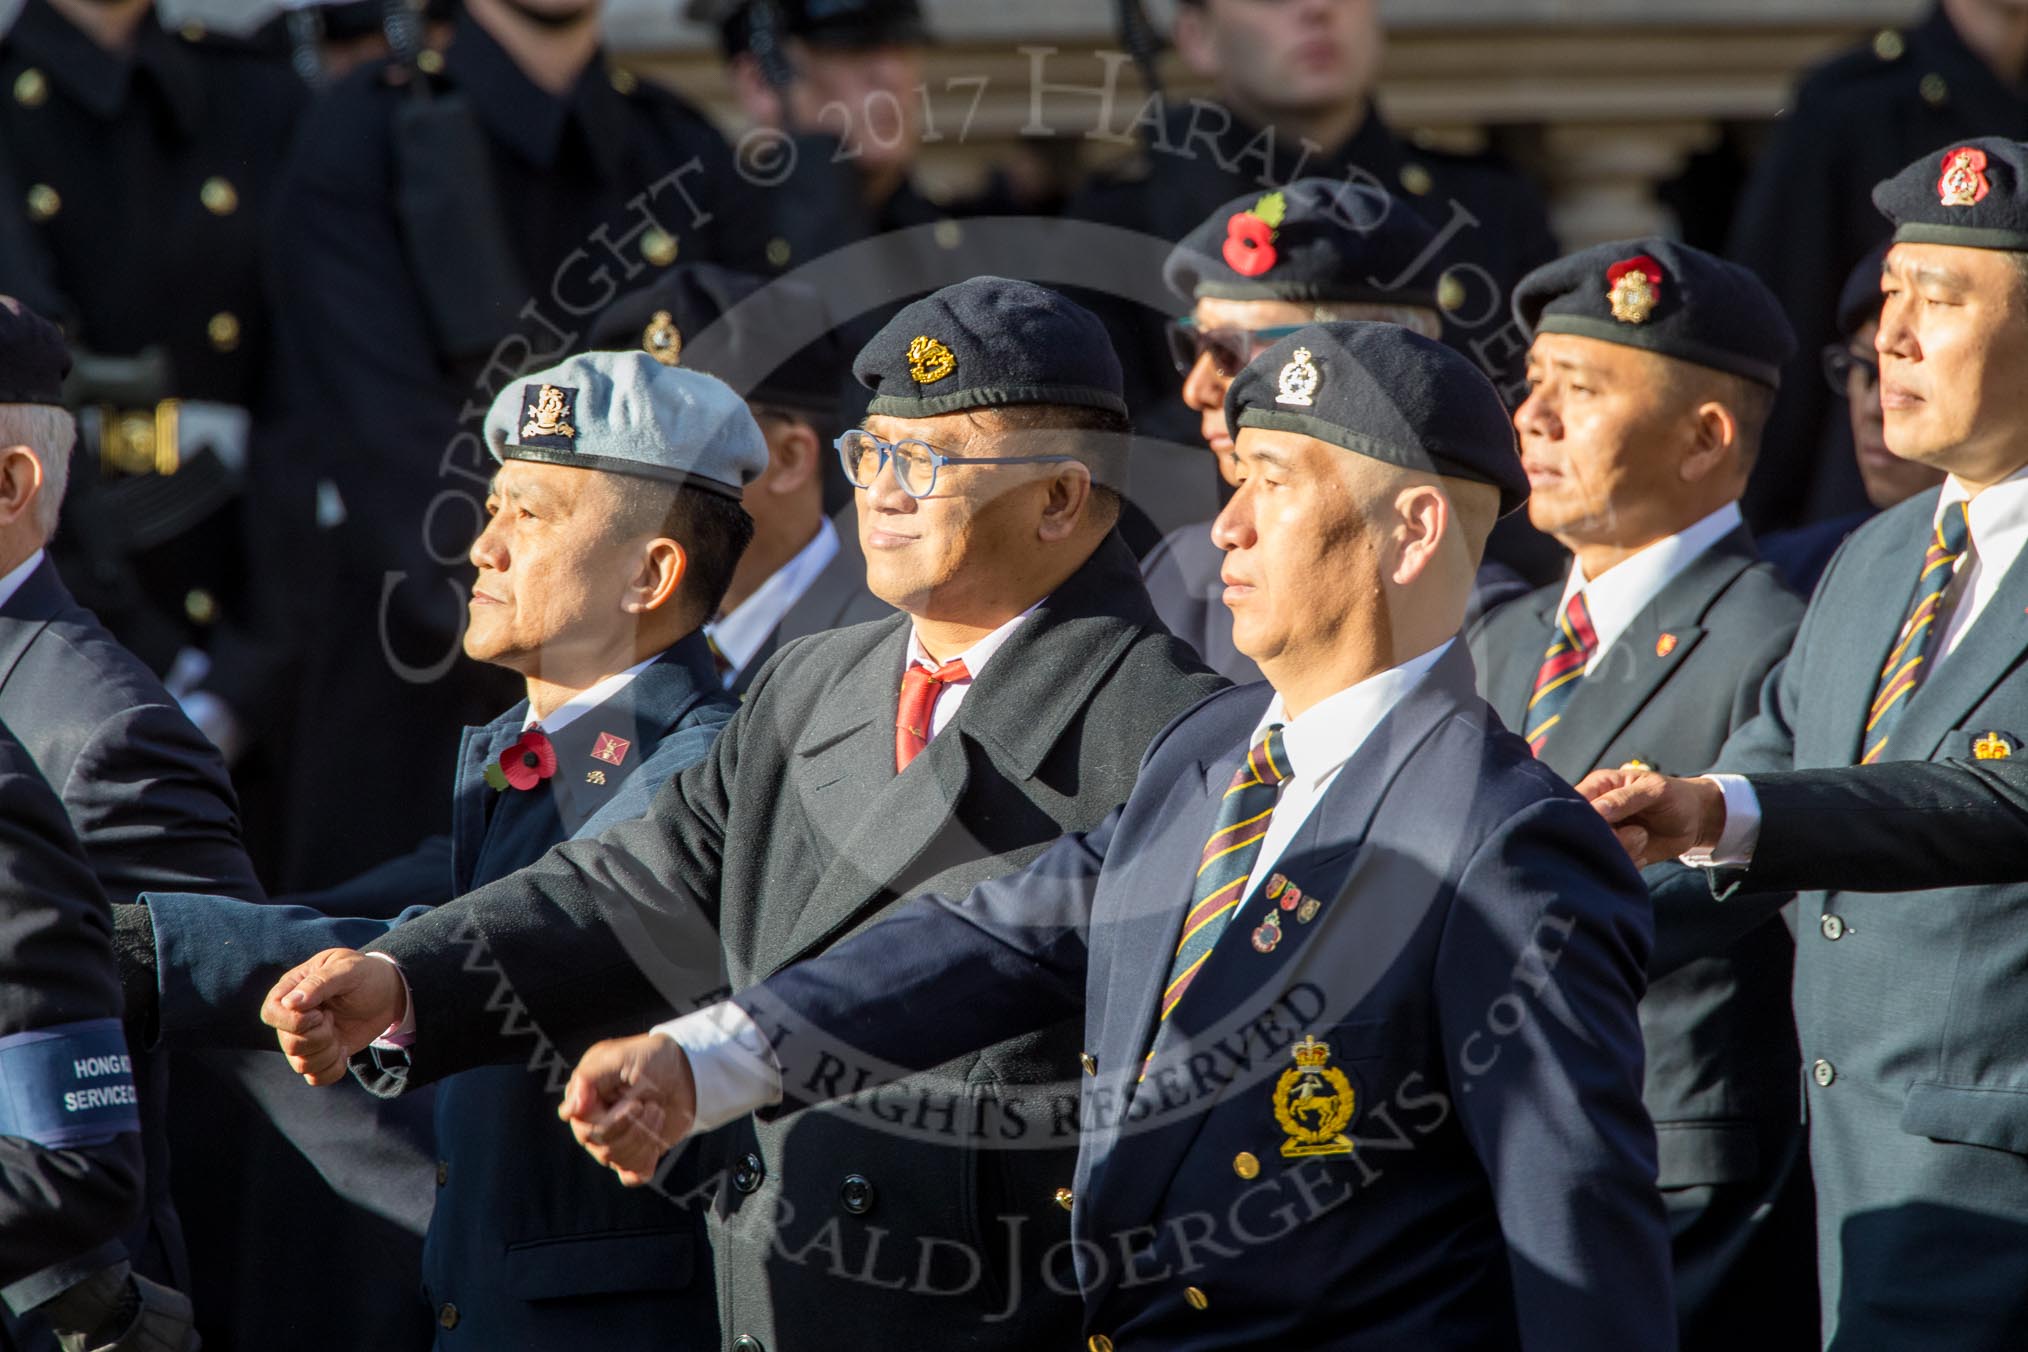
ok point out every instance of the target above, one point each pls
(628, 1101)
(1656, 817)
(332, 1006)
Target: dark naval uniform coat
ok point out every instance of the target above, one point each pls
(1722, 1079)
(573, 198)
(140, 183)
(64, 1204)
(1498, 1191)
(1907, 1004)
(530, 1245)
(146, 794)
(796, 832)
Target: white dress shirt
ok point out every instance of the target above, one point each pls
(735, 1069)
(739, 635)
(11, 582)
(566, 713)
(1998, 521)
(1624, 591)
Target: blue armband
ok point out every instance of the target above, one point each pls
(69, 1084)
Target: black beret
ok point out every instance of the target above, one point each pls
(33, 356)
(1859, 299)
(1973, 194)
(988, 342)
(845, 24)
(1383, 391)
(666, 317)
(1661, 296)
(1318, 239)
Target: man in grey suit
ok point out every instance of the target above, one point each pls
(1909, 1004)
(1011, 701)
(1641, 424)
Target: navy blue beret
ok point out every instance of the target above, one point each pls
(1318, 239)
(665, 318)
(1973, 194)
(988, 342)
(843, 24)
(1859, 299)
(1386, 392)
(1665, 297)
(33, 357)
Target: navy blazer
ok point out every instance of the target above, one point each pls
(1474, 969)
(530, 1245)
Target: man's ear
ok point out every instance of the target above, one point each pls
(793, 455)
(757, 98)
(657, 578)
(1068, 498)
(1427, 525)
(1714, 442)
(20, 483)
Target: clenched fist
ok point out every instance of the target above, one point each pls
(331, 1007)
(629, 1100)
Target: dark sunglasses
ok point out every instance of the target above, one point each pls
(1841, 361)
(1229, 348)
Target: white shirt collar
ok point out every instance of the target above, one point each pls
(974, 657)
(564, 714)
(740, 634)
(1324, 736)
(1614, 598)
(11, 582)
(1998, 517)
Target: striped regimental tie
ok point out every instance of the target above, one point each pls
(1562, 669)
(1916, 645)
(1226, 863)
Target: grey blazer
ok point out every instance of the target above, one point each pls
(794, 833)
(1909, 1006)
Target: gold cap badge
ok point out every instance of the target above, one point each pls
(662, 340)
(548, 413)
(1313, 1103)
(1297, 384)
(1633, 287)
(929, 360)
(1993, 746)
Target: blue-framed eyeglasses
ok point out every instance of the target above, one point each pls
(915, 462)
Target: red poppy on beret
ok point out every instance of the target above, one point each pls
(1249, 244)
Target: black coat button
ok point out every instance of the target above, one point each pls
(748, 1173)
(855, 1194)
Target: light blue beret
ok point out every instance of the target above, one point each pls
(626, 413)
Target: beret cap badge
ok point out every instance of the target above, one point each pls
(1249, 248)
(1297, 385)
(549, 411)
(1963, 180)
(1633, 286)
(929, 360)
(662, 340)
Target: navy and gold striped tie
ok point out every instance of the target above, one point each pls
(1916, 643)
(1562, 668)
(1227, 862)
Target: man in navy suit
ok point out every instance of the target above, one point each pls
(604, 551)
(1358, 976)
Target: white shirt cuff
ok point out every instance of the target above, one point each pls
(730, 1060)
(1741, 831)
(399, 1036)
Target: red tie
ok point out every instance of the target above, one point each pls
(919, 690)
